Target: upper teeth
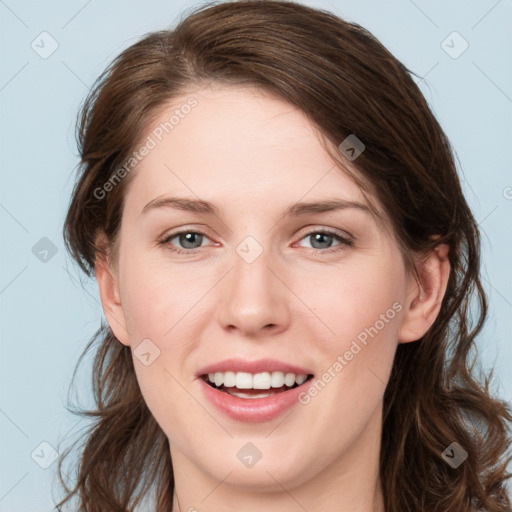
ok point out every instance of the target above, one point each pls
(265, 380)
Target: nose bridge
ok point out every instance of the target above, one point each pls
(253, 298)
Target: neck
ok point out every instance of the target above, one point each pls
(285, 502)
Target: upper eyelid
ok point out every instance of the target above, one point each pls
(325, 229)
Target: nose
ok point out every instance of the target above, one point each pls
(254, 301)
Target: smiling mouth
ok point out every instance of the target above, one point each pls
(252, 392)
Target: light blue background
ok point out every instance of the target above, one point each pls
(47, 317)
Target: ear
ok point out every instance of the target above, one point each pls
(425, 295)
(108, 284)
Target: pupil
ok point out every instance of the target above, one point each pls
(188, 238)
(319, 237)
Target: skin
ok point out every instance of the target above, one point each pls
(253, 155)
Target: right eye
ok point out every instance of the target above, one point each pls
(187, 238)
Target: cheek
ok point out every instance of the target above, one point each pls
(162, 304)
(362, 309)
(155, 302)
(349, 301)
(154, 297)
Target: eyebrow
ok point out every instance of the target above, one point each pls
(294, 210)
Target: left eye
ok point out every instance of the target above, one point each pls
(325, 238)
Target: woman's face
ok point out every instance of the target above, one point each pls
(257, 276)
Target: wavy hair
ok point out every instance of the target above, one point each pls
(346, 82)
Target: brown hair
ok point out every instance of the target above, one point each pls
(346, 82)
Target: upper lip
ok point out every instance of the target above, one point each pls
(259, 366)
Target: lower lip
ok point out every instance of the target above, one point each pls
(253, 410)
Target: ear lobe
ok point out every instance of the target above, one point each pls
(109, 294)
(426, 295)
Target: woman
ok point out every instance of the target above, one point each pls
(286, 262)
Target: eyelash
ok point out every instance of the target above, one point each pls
(344, 242)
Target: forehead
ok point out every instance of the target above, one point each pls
(240, 145)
